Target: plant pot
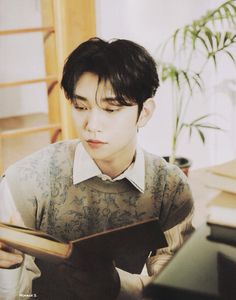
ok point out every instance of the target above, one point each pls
(182, 162)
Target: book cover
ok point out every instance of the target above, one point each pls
(223, 234)
(226, 267)
(141, 236)
(222, 218)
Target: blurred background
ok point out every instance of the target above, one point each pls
(35, 39)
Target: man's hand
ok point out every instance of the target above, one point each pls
(95, 279)
(9, 257)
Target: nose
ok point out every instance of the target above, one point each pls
(93, 122)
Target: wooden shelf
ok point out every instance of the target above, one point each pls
(27, 30)
(23, 131)
(71, 22)
(30, 81)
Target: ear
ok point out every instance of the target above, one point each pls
(146, 113)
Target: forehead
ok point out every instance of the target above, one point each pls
(89, 87)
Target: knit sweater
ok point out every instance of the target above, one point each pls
(43, 190)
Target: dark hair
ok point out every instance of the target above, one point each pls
(126, 65)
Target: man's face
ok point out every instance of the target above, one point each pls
(107, 130)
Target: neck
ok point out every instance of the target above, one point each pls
(115, 166)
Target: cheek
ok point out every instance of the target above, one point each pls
(124, 126)
(74, 115)
(78, 120)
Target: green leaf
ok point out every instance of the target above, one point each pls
(187, 80)
(201, 134)
(201, 118)
(227, 38)
(194, 39)
(203, 42)
(233, 7)
(209, 35)
(208, 126)
(190, 132)
(175, 37)
(213, 56)
(194, 35)
(231, 56)
(198, 80)
(177, 79)
(228, 14)
(217, 39)
(185, 33)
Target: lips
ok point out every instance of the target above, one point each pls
(95, 143)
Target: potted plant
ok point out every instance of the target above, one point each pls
(195, 48)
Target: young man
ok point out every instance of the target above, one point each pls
(72, 189)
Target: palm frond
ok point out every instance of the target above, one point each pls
(196, 46)
(180, 77)
(199, 30)
(198, 126)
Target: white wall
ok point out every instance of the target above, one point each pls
(21, 58)
(149, 23)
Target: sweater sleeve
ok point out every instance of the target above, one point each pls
(177, 201)
(176, 236)
(15, 283)
(132, 284)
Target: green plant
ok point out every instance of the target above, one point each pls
(195, 48)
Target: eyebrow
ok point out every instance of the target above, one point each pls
(78, 97)
(109, 100)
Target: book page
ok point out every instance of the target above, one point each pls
(223, 183)
(226, 169)
(224, 199)
(222, 216)
(30, 231)
(222, 210)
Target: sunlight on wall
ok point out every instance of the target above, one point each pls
(22, 58)
(149, 23)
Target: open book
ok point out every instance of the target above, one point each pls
(141, 236)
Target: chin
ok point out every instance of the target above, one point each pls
(97, 154)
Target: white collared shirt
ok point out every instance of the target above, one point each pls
(135, 173)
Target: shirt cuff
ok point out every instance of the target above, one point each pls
(131, 285)
(9, 280)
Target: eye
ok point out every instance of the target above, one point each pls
(79, 107)
(112, 109)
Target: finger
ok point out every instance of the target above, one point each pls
(8, 259)
(16, 219)
(9, 249)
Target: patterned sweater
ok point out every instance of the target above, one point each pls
(44, 193)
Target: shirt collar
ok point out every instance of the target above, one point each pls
(82, 161)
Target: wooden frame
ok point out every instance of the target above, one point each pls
(65, 25)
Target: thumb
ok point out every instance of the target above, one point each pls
(16, 219)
